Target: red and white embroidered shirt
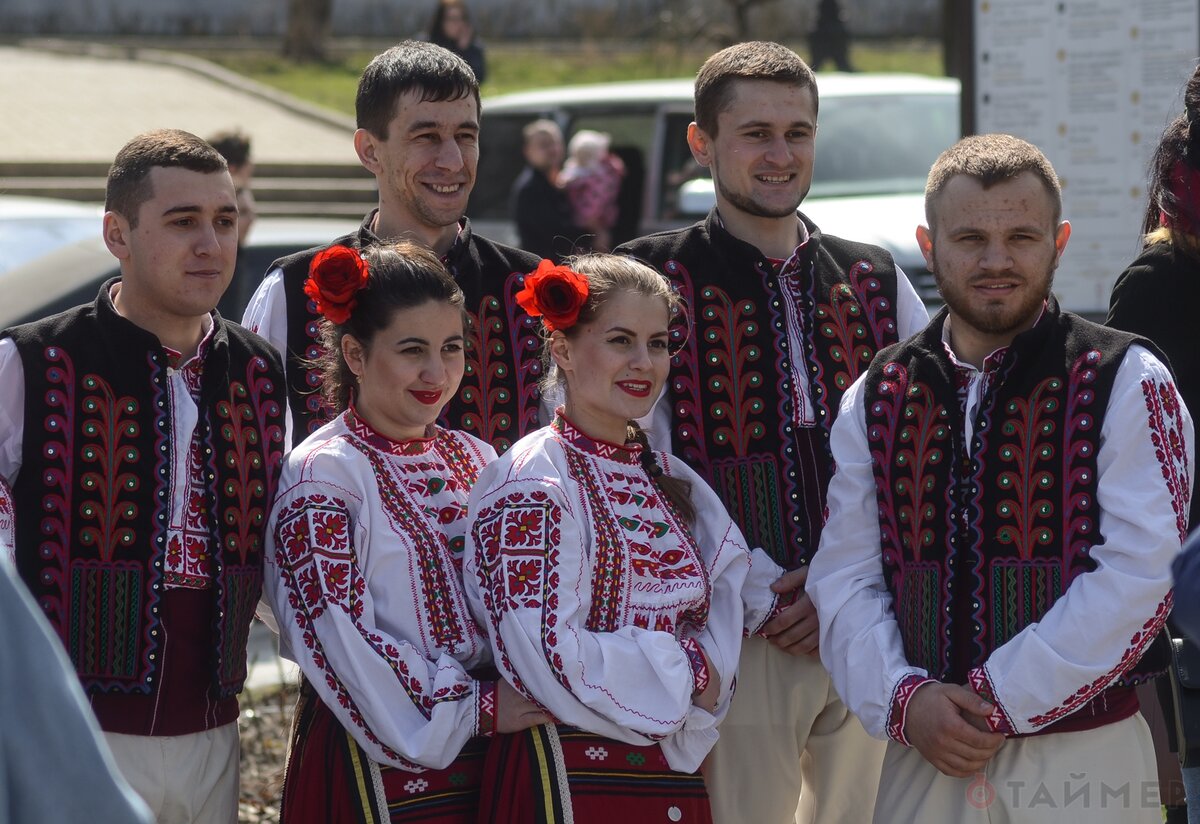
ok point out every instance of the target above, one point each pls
(596, 594)
(1091, 635)
(364, 574)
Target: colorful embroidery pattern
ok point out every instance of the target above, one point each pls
(498, 400)
(857, 322)
(1168, 436)
(1133, 652)
(909, 435)
(897, 715)
(252, 451)
(411, 507)
(316, 558)
(517, 538)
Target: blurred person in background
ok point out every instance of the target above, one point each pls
(1157, 296)
(539, 206)
(592, 178)
(451, 29)
(234, 146)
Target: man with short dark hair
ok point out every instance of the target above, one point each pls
(418, 133)
(785, 319)
(1012, 486)
(141, 436)
(234, 146)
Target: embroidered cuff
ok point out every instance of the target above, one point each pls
(998, 721)
(782, 602)
(695, 655)
(899, 710)
(489, 708)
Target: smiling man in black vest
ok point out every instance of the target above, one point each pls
(418, 133)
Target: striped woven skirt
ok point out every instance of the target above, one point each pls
(330, 779)
(561, 775)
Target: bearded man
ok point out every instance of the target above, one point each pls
(1012, 486)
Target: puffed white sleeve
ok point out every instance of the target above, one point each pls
(1104, 621)
(529, 579)
(729, 563)
(401, 707)
(861, 646)
(911, 314)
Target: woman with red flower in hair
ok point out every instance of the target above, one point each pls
(609, 577)
(364, 559)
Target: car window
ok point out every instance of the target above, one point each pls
(678, 166)
(885, 144)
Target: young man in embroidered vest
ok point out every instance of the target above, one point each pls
(142, 435)
(785, 319)
(418, 133)
(1012, 485)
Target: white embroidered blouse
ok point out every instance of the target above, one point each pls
(364, 574)
(596, 594)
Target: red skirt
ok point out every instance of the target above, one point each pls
(330, 779)
(561, 775)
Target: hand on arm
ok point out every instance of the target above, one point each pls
(794, 629)
(515, 712)
(943, 722)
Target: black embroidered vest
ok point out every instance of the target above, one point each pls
(732, 390)
(980, 540)
(498, 399)
(91, 495)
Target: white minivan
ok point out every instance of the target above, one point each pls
(877, 136)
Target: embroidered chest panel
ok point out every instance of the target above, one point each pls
(498, 399)
(103, 486)
(979, 542)
(757, 384)
(646, 568)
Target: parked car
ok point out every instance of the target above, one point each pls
(878, 135)
(32, 226)
(72, 274)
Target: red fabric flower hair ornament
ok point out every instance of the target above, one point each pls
(334, 278)
(554, 293)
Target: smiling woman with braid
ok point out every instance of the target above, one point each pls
(608, 576)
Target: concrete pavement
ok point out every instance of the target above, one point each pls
(82, 107)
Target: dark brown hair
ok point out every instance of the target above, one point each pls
(234, 146)
(436, 73)
(1180, 143)
(756, 60)
(401, 275)
(128, 185)
(990, 159)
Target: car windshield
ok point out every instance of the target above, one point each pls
(881, 144)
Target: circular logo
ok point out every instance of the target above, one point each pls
(980, 792)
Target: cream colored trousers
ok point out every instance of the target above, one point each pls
(789, 750)
(184, 779)
(1101, 776)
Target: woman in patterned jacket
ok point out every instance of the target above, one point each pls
(609, 576)
(364, 562)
